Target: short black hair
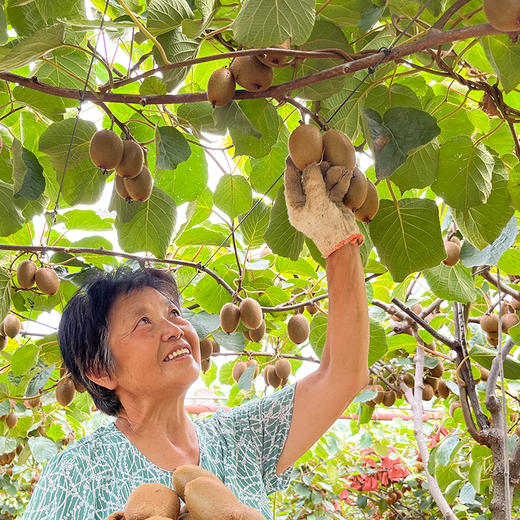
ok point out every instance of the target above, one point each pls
(83, 329)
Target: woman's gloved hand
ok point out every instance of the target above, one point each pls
(315, 206)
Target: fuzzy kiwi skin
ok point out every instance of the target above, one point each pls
(11, 326)
(106, 149)
(489, 322)
(119, 184)
(238, 369)
(442, 390)
(65, 392)
(229, 317)
(205, 364)
(305, 146)
(47, 280)
(221, 87)
(508, 320)
(206, 348)
(25, 274)
(503, 15)
(271, 377)
(152, 499)
(250, 313)
(277, 59)
(357, 191)
(452, 252)
(371, 205)
(428, 392)
(131, 163)
(185, 474)
(338, 149)
(257, 334)
(140, 187)
(282, 368)
(298, 328)
(251, 74)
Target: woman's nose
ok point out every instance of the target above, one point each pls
(171, 331)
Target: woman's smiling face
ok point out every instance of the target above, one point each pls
(154, 347)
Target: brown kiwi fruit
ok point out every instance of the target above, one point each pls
(492, 339)
(489, 322)
(140, 187)
(437, 370)
(250, 313)
(427, 393)
(246, 335)
(389, 398)
(11, 326)
(338, 149)
(305, 146)
(106, 149)
(298, 328)
(205, 364)
(251, 74)
(417, 308)
(34, 402)
(277, 59)
(216, 346)
(515, 304)
(78, 386)
(508, 320)
(238, 369)
(432, 381)
(272, 377)
(25, 274)
(408, 380)
(152, 499)
(371, 205)
(186, 473)
(256, 335)
(250, 362)
(221, 87)
(11, 420)
(47, 280)
(312, 308)
(282, 368)
(357, 191)
(452, 252)
(442, 390)
(229, 317)
(206, 348)
(503, 15)
(121, 188)
(209, 498)
(65, 391)
(131, 163)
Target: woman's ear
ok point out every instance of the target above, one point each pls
(103, 380)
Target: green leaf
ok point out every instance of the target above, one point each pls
(151, 228)
(484, 356)
(203, 322)
(452, 283)
(513, 186)
(50, 106)
(318, 333)
(233, 342)
(465, 173)
(233, 195)
(255, 225)
(446, 450)
(5, 293)
(165, 15)
(29, 182)
(152, 85)
(504, 55)
(33, 47)
(11, 218)
(407, 236)
(246, 379)
(265, 119)
(202, 236)
(24, 358)
(42, 449)
(85, 219)
(467, 494)
(280, 236)
(475, 473)
(171, 148)
(490, 255)
(482, 224)
(396, 134)
(378, 346)
(269, 22)
(509, 263)
(210, 295)
(39, 381)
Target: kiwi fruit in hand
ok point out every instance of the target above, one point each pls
(251, 74)
(305, 146)
(369, 208)
(357, 191)
(152, 499)
(221, 87)
(106, 149)
(186, 473)
(503, 15)
(338, 149)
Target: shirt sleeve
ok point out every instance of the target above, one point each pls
(266, 423)
(63, 491)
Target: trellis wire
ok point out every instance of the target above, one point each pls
(54, 212)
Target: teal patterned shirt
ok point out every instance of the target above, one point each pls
(94, 476)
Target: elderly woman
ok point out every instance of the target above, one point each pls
(124, 338)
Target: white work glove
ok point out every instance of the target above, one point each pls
(315, 206)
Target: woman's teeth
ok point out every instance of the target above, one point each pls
(176, 354)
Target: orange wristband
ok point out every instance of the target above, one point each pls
(356, 238)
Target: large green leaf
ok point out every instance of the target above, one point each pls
(50, 106)
(233, 195)
(5, 293)
(504, 55)
(483, 223)
(513, 186)
(451, 283)
(465, 173)
(171, 147)
(151, 228)
(255, 225)
(11, 218)
(396, 134)
(280, 236)
(484, 356)
(407, 236)
(378, 345)
(29, 182)
(165, 15)
(201, 235)
(268, 22)
(24, 358)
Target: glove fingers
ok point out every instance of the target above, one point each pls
(337, 181)
(313, 183)
(294, 195)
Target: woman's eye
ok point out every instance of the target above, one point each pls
(143, 321)
(175, 312)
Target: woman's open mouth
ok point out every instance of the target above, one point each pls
(177, 354)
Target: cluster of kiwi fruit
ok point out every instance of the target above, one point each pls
(241, 366)
(45, 278)
(394, 496)
(9, 327)
(133, 180)
(307, 145)
(385, 397)
(277, 374)
(404, 325)
(433, 384)
(249, 313)
(452, 247)
(489, 322)
(503, 15)
(208, 347)
(204, 495)
(254, 73)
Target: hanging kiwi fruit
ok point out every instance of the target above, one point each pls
(503, 15)
(370, 206)
(26, 274)
(305, 146)
(106, 149)
(221, 87)
(139, 187)
(298, 328)
(47, 280)
(11, 326)
(250, 314)
(206, 348)
(229, 317)
(251, 74)
(452, 251)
